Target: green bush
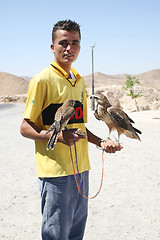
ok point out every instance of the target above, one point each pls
(129, 86)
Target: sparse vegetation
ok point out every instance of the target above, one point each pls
(129, 86)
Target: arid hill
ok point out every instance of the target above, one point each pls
(12, 85)
(150, 78)
(147, 79)
(101, 79)
(14, 89)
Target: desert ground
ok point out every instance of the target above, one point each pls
(127, 207)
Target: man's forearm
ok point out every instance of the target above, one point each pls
(30, 130)
(92, 138)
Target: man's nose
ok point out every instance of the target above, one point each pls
(69, 46)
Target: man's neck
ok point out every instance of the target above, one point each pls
(65, 67)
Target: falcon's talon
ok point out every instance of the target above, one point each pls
(103, 149)
(107, 139)
(117, 140)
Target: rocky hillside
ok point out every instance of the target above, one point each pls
(150, 99)
(111, 86)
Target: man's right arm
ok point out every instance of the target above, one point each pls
(30, 130)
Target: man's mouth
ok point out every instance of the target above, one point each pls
(68, 55)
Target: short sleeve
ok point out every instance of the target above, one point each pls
(35, 100)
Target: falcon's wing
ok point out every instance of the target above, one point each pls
(120, 117)
(96, 115)
(64, 114)
(131, 120)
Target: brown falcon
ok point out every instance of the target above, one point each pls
(115, 118)
(62, 116)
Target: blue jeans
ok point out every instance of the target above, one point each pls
(64, 210)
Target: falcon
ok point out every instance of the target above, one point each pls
(115, 118)
(62, 117)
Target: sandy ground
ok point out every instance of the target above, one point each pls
(126, 209)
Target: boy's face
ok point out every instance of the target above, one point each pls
(66, 47)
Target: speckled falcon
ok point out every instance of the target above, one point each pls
(62, 116)
(115, 118)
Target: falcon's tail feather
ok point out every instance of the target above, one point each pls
(52, 141)
(53, 126)
(132, 134)
(138, 131)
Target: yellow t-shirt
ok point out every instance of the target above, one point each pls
(47, 91)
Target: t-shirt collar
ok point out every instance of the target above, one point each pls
(64, 73)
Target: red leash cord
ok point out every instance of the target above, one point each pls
(78, 171)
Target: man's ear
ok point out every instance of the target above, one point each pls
(52, 48)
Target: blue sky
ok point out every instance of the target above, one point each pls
(126, 34)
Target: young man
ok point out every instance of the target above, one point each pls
(64, 210)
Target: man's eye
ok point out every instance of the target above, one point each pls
(63, 44)
(75, 43)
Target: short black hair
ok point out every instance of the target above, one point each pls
(66, 25)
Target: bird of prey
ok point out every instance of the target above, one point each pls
(62, 116)
(115, 118)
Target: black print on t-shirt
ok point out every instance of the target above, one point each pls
(49, 113)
